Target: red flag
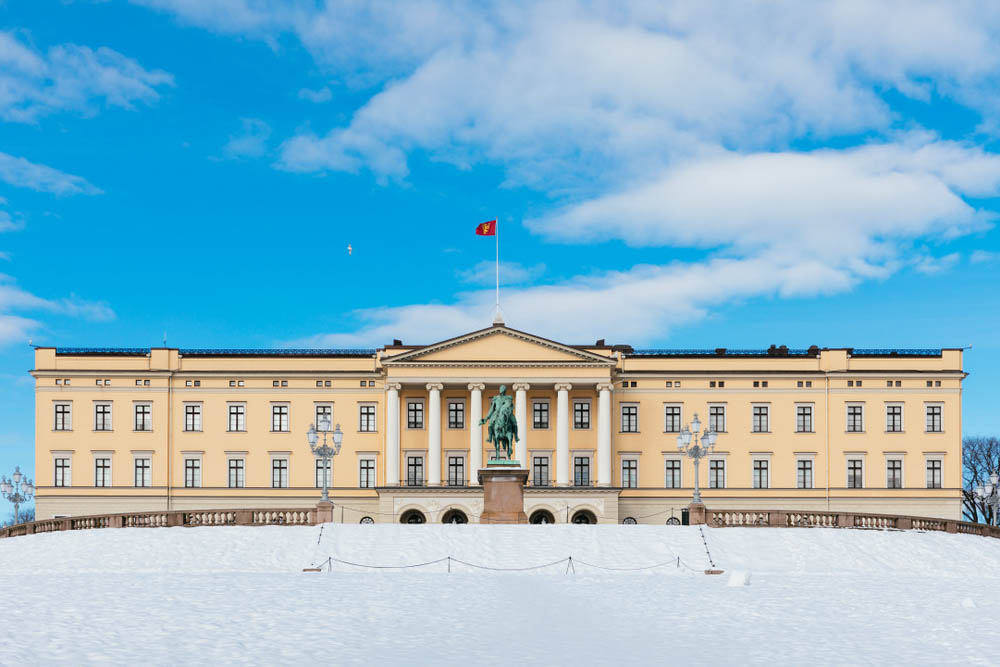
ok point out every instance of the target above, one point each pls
(487, 228)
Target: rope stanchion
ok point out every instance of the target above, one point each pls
(569, 561)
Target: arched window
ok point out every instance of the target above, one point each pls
(413, 516)
(629, 521)
(673, 521)
(367, 519)
(584, 516)
(454, 516)
(541, 516)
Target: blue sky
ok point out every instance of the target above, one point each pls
(666, 175)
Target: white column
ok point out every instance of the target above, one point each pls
(475, 432)
(392, 434)
(434, 434)
(521, 414)
(604, 468)
(562, 434)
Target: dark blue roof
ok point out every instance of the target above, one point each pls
(786, 352)
(221, 352)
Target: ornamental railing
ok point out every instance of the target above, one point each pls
(803, 519)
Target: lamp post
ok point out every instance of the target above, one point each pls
(20, 491)
(989, 493)
(325, 452)
(696, 448)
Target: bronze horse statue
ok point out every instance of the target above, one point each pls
(502, 430)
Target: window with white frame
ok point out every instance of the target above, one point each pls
(630, 417)
(804, 473)
(761, 418)
(414, 414)
(415, 470)
(581, 471)
(237, 417)
(320, 470)
(366, 473)
(63, 417)
(630, 473)
(143, 417)
(279, 417)
(934, 473)
(456, 470)
(934, 418)
(540, 414)
(855, 417)
(279, 473)
(581, 415)
(143, 471)
(894, 418)
(804, 418)
(192, 473)
(102, 416)
(761, 470)
(717, 473)
(237, 472)
(672, 418)
(102, 471)
(717, 418)
(540, 470)
(192, 416)
(855, 473)
(366, 418)
(63, 471)
(894, 473)
(456, 414)
(324, 417)
(672, 479)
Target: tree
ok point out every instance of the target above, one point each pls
(980, 457)
(24, 515)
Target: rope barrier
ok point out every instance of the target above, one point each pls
(707, 552)
(570, 565)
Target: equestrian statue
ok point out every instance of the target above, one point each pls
(502, 430)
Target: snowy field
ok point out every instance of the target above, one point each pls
(238, 595)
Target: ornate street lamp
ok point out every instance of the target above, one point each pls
(325, 452)
(696, 448)
(21, 491)
(989, 493)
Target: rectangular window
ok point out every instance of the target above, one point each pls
(64, 417)
(279, 418)
(855, 474)
(717, 474)
(894, 418)
(143, 417)
(717, 418)
(324, 418)
(237, 417)
(279, 473)
(761, 421)
(192, 473)
(414, 414)
(62, 476)
(319, 473)
(102, 472)
(630, 418)
(456, 414)
(540, 414)
(366, 418)
(102, 417)
(581, 414)
(673, 478)
(366, 473)
(804, 479)
(142, 473)
(894, 474)
(630, 474)
(933, 418)
(192, 417)
(237, 468)
(672, 419)
(804, 419)
(540, 471)
(456, 471)
(760, 470)
(855, 419)
(933, 474)
(581, 471)
(414, 470)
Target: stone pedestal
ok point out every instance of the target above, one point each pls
(697, 514)
(503, 493)
(324, 512)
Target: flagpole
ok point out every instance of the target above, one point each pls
(498, 265)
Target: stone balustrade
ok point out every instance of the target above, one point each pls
(793, 519)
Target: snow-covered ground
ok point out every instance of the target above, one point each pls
(238, 595)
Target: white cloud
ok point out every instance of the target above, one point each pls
(934, 265)
(316, 96)
(5, 256)
(9, 223)
(16, 328)
(21, 173)
(250, 142)
(70, 77)
(983, 256)
(511, 273)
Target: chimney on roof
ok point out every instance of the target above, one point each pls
(600, 342)
(397, 342)
(814, 350)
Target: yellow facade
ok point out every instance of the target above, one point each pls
(824, 418)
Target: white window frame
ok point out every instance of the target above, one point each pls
(680, 417)
(548, 413)
(135, 406)
(896, 456)
(847, 416)
(632, 456)
(111, 416)
(374, 406)
(812, 415)
(621, 416)
(136, 455)
(317, 466)
(760, 457)
(236, 456)
(229, 406)
(422, 455)
(680, 470)
(200, 456)
(316, 407)
(55, 416)
(62, 454)
(110, 456)
(933, 404)
(590, 414)
(288, 416)
(367, 456)
(936, 456)
(280, 456)
(725, 471)
(902, 416)
(811, 458)
(848, 457)
(423, 413)
(754, 406)
(725, 414)
(447, 414)
(547, 455)
(449, 454)
(587, 454)
(201, 416)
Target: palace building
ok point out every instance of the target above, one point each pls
(136, 429)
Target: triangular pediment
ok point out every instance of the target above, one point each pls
(498, 344)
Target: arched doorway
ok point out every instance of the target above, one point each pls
(541, 516)
(454, 516)
(584, 517)
(413, 516)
